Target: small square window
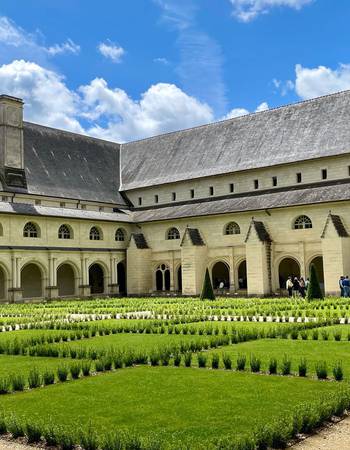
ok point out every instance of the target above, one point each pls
(211, 190)
(4, 198)
(173, 196)
(101, 209)
(156, 198)
(38, 202)
(274, 181)
(83, 206)
(115, 210)
(324, 174)
(192, 193)
(256, 184)
(299, 177)
(62, 205)
(140, 201)
(232, 187)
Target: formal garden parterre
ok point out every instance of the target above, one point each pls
(172, 373)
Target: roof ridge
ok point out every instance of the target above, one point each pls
(244, 116)
(73, 133)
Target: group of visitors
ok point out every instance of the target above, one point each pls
(344, 284)
(297, 287)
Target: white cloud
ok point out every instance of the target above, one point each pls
(162, 108)
(248, 10)
(283, 87)
(321, 80)
(161, 61)
(111, 51)
(11, 35)
(67, 47)
(238, 112)
(47, 99)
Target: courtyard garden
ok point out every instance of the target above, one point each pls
(172, 373)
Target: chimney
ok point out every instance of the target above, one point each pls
(11, 142)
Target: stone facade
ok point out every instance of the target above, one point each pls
(245, 225)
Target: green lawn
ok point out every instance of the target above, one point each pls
(193, 404)
(312, 351)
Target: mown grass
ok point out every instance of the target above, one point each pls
(190, 404)
(312, 351)
(11, 365)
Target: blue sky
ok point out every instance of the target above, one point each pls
(124, 70)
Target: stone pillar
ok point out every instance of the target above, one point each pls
(113, 287)
(232, 272)
(139, 266)
(193, 262)
(52, 288)
(15, 291)
(84, 286)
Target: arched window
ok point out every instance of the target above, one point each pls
(173, 233)
(302, 222)
(30, 230)
(95, 234)
(120, 235)
(232, 228)
(64, 232)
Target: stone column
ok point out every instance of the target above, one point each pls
(15, 291)
(113, 287)
(84, 287)
(232, 271)
(52, 288)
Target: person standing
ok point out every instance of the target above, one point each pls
(341, 287)
(302, 287)
(289, 286)
(346, 286)
(296, 287)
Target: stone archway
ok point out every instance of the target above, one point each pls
(121, 274)
(65, 280)
(31, 281)
(163, 278)
(96, 279)
(317, 262)
(242, 275)
(220, 274)
(179, 279)
(288, 267)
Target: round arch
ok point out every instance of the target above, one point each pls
(67, 276)
(162, 277)
(97, 278)
(242, 274)
(4, 279)
(220, 273)
(32, 280)
(287, 267)
(317, 261)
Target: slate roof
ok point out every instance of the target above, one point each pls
(68, 165)
(36, 210)
(338, 225)
(302, 131)
(195, 236)
(140, 240)
(261, 231)
(278, 199)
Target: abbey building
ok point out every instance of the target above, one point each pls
(254, 199)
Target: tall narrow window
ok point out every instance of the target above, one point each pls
(324, 174)
(349, 170)
(156, 198)
(299, 177)
(274, 181)
(256, 184)
(211, 190)
(173, 196)
(232, 187)
(192, 193)
(140, 201)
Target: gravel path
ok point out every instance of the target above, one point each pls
(333, 437)
(13, 445)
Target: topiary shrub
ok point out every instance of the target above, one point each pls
(207, 291)
(314, 291)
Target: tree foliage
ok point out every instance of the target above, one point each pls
(314, 290)
(207, 291)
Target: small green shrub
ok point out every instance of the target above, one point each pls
(273, 366)
(177, 359)
(34, 378)
(188, 359)
(33, 433)
(99, 366)
(325, 335)
(88, 439)
(48, 377)
(321, 370)
(337, 335)
(154, 358)
(202, 360)
(315, 335)
(255, 363)
(62, 373)
(241, 362)
(113, 441)
(286, 365)
(227, 361)
(18, 382)
(5, 385)
(302, 368)
(294, 334)
(215, 361)
(338, 371)
(75, 371)
(15, 427)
